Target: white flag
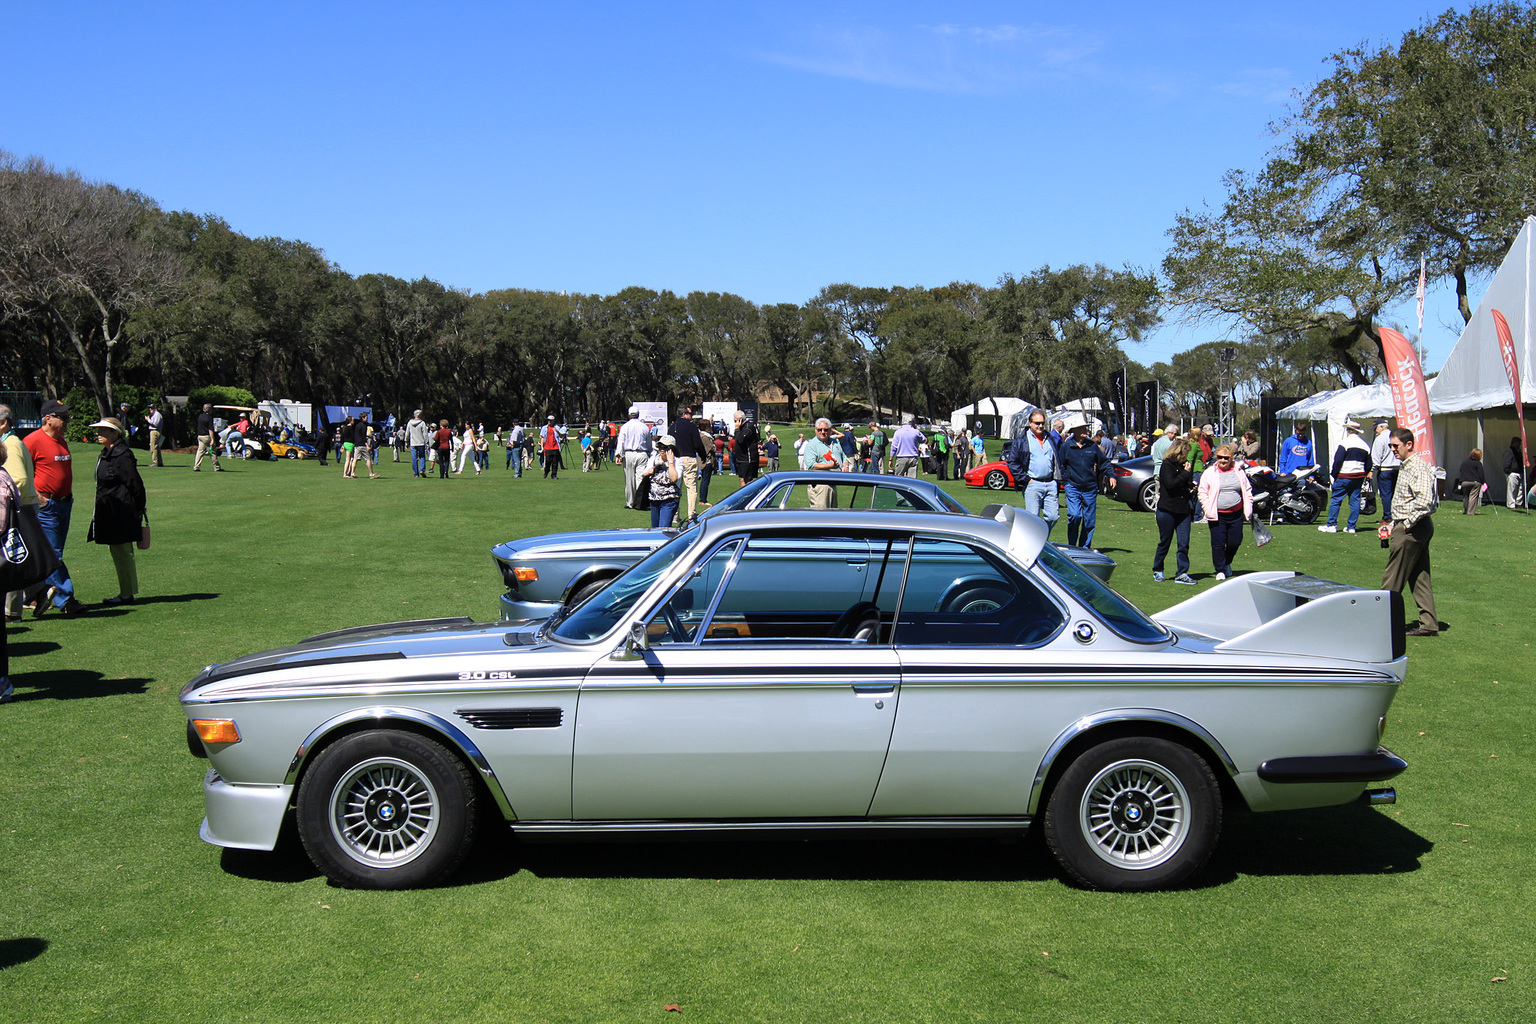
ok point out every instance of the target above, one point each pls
(1422, 269)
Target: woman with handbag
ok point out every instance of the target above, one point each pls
(659, 476)
(1226, 500)
(120, 521)
(18, 465)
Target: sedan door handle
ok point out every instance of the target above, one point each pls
(874, 689)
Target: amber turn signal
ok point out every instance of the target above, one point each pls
(216, 730)
(526, 575)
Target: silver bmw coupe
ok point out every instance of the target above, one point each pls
(852, 671)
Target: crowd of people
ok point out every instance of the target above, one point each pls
(37, 484)
(667, 469)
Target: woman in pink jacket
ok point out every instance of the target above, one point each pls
(1227, 502)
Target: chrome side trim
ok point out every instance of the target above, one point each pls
(1088, 722)
(808, 825)
(448, 730)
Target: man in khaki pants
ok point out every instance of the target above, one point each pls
(690, 452)
(154, 421)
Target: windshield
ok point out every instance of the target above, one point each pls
(603, 610)
(1118, 613)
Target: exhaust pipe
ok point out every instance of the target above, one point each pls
(1375, 797)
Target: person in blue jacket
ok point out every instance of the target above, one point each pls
(1081, 463)
(1296, 451)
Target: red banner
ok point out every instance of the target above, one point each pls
(1409, 398)
(1507, 352)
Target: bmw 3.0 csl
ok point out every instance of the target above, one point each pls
(773, 672)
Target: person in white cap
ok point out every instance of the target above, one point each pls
(634, 449)
(1351, 465)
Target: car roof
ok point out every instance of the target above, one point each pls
(1008, 527)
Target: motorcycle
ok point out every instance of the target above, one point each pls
(1293, 498)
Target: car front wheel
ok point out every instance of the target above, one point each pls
(1134, 814)
(997, 480)
(387, 809)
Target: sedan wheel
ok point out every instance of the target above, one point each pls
(997, 480)
(1134, 814)
(386, 810)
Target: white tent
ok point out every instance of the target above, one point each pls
(1002, 408)
(1471, 401)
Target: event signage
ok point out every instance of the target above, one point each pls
(1147, 405)
(1410, 400)
(1507, 352)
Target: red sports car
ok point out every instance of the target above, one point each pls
(994, 476)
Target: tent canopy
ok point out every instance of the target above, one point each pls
(1473, 376)
(1005, 410)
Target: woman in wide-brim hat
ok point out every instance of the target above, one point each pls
(120, 505)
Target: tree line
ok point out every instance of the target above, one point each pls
(1422, 151)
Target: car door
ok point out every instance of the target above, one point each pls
(745, 705)
(981, 684)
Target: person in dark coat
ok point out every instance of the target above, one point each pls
(1471, 482)
(120, 506)
(746, 448)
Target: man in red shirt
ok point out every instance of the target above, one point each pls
(54, 479)
(549, 439)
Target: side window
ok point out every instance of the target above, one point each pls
(805, 587)
(957, 594)
(804, 495)
(677, 620)
(891, 497)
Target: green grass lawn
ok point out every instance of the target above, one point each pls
(112, 909)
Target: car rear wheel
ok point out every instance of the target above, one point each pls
(997, 480)
(1134, 814)
(977, 601)
(387, 809)
(1146, 498)
(291, 453)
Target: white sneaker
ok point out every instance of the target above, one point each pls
(1349, 529)
(1327, 529)
(1221, 576)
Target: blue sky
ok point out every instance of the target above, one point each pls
(765, 149)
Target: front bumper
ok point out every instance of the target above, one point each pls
(513, 607)
(242, 817)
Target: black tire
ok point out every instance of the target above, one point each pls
(587, 591)
(997, 480)
(291, 453)
(1134, 814)
(977, 601)
(1146, 497)
(387, 809)
(1308, 507)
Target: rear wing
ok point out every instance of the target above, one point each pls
(1290, 613)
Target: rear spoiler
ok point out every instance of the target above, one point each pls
(1291, 613)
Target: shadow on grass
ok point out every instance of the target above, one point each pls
(1331, 841)
(169, 599)
(874, 859)
(74, 684)
(1325, 841)
(30, 648)
(19, 951)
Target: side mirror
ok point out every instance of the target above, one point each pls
(635, 643)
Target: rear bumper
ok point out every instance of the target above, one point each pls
(1377, 767)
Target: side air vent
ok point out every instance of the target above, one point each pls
(514, 718)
